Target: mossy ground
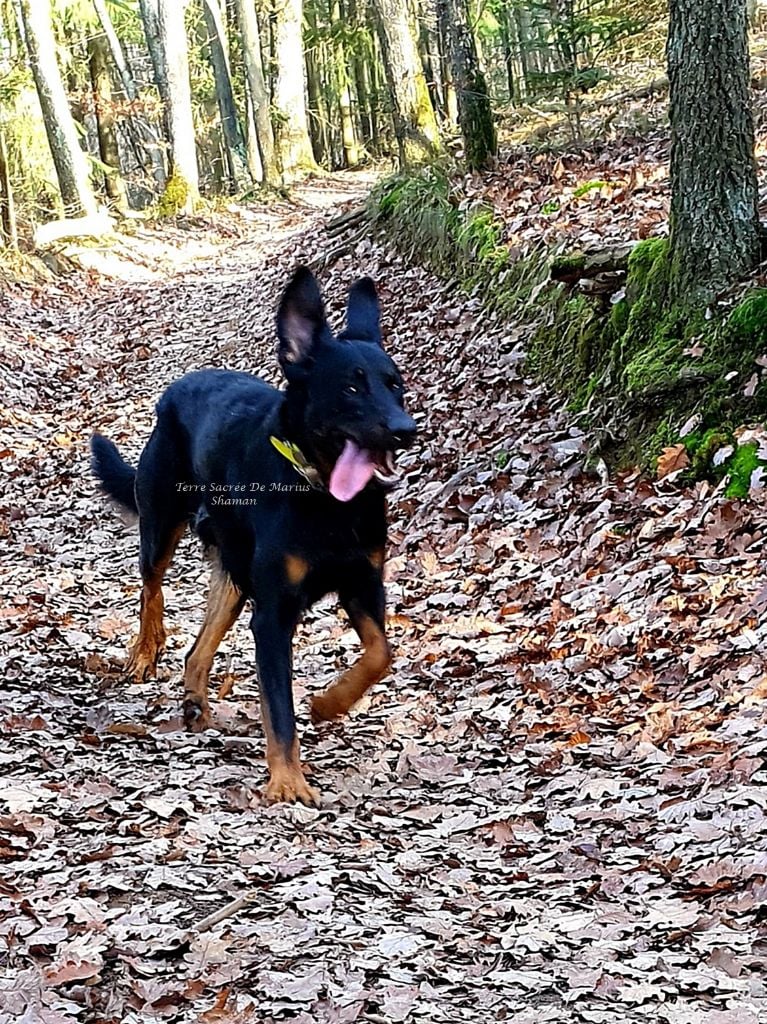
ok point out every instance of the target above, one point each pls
(637, 367)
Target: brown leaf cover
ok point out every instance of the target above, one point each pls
(554, 810)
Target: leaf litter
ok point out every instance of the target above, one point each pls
(554, 810)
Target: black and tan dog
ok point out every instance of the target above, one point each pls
(289, 489)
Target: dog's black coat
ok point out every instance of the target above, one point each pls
(282, 541)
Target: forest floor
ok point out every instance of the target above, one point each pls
(554, 809)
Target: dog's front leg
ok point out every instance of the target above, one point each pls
(273, 628)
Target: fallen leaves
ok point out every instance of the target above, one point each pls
(672, 460)
(553, 811)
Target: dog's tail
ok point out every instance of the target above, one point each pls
(116, 477)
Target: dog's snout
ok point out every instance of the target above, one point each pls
(403, 429)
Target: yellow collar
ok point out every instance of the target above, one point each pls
(298, 461)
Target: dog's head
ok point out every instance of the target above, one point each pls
(345, 389)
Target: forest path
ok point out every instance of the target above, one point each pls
(553, 810)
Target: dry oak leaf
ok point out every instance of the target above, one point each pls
(672, 459)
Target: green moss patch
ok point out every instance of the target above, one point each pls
(636, 366)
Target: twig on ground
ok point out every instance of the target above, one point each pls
(227, 911)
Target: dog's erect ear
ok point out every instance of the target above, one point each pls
(363, 316)
(300, 318)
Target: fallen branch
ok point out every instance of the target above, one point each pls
(643, 92)
(344, 249)
(94, 226)
(348, 220)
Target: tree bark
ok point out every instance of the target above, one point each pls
(415, 123)
(508, 33)
(69, 160)
(295, 147)
(144, 135)
(7, 207)
(150, 18)
(98, 60)
(360, 61)
(714, 212)
(475, 114)
(446, 70)
(183, 150)
(218, 53)
(247, 19)
(318, 119)
(348, 134)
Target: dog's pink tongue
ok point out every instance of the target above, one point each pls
(351, 472)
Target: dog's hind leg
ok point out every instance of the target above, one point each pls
(225, 603)
(162, 521)
(158, 543)
(365, 607)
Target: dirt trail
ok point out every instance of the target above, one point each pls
(552, 811)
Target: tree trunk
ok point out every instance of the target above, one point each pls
(150, 19)
(360, 63)
(183, 150)
(348, 134)
(522, 19)
(7, 209)
(247, 19)
(714, 193)
(475, 115)
(414, 121)
(295, 147)
(318, 119)
(446, 71)
(143, 135)
(508, 32)
(98, 60)
(69, 160)
(218, 54)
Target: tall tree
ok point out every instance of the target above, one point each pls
(714, 212)
(317, 109)
(98, 59)
(69, 160)
(343, 90)
(475, 114)
(150, 19)
(183, 150)
(144, 134)
(7, 205)
(415, 121)
(247, 20)
(295, 147)
(218, 52)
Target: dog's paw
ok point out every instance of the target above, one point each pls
(326, 707)
(288, 786)
(140, 665)
(196, 717)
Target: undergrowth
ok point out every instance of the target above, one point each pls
(637, 368)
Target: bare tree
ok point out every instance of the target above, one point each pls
(415, 123)
(295, 147)
(69, 160)
(254, 70)
(98, 54)
(144, 135)
(174, 55)
(218, 52)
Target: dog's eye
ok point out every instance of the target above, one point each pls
(393, 384)
(352, 389)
